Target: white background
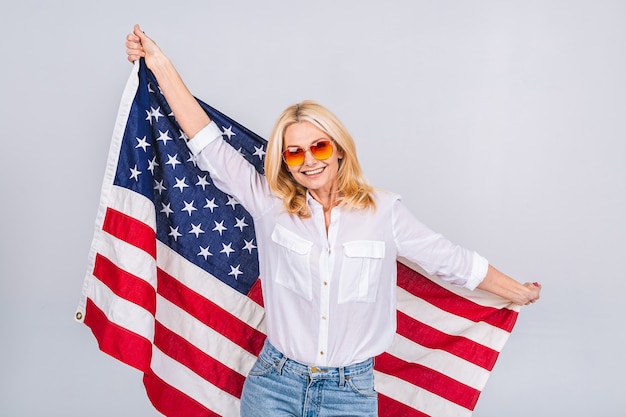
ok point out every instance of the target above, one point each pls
(503, 124)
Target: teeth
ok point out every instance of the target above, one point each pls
(317, 171)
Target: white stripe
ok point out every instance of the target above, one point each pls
(183, 379)
(122, 312)
(417, 398)
(128, 257)
(440, 361)
(481, 332)
(210, 287)
(203, 337)
(133, 204)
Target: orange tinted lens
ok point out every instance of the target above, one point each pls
(322, 150)
(294, 156)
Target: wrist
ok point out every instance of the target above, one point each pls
(158, 63)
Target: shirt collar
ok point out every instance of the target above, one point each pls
(311, 202)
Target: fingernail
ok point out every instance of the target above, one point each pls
(536, 284)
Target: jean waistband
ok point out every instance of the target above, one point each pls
(273, 356)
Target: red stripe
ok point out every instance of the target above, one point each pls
(444, 299)
(210, 313)
(255, 293)
(460, 346)
(125, 284)
(171, 402)
(429, 379)
(388, 407)
(130, 230)
(179, 349)
(117, 341)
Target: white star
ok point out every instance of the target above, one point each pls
(259, 152)
(158, 186)
(234, 271)
(205, 252)
(180, 183)
(152, 164)
(150, 90)
(183, 135)
(241, 223)
(210, 204)
(227, 249)
(196, 229)
(164, 136)
(189, 207)
(172, 160)
(249, 246)
(156, 113)
(219, 227)
(192, 159)
(166, 209)
(142, 143)
(134, 173)
(149, 117)
(232, 202)
(174, 233)
(228, 132)
(202, 182)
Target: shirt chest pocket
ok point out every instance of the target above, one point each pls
(293, 268)
(361, 270)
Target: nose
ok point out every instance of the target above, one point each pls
(308, 158)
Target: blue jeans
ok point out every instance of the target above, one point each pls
(277, 386)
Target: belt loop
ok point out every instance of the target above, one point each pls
(342, 376)
(281, 363)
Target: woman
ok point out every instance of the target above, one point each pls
(327, 245)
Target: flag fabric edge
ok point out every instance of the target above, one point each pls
(126, 102)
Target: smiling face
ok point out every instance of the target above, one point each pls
(319, 177)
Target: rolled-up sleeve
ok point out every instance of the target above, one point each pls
(204, 137)
(480, 266)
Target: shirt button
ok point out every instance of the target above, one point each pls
(323, 317)
(325, 283)
(321, 352)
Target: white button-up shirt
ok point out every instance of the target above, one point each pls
(330, 298)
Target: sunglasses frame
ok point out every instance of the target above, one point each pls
(304, 151)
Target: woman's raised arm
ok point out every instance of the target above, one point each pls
(190, 116)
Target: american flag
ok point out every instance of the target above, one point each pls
(172, 284)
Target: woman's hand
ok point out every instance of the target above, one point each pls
(138, 45)
(500, 284)
(190, 116)
(534, 291)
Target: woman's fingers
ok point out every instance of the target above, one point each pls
(134, 46)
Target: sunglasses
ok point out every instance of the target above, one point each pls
(321, 150)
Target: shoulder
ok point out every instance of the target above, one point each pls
(385, 198)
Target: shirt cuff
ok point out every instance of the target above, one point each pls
(480, 266)
(208, 134)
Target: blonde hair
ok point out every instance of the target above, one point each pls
(354, 190)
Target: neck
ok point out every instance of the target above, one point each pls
(327, 199)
